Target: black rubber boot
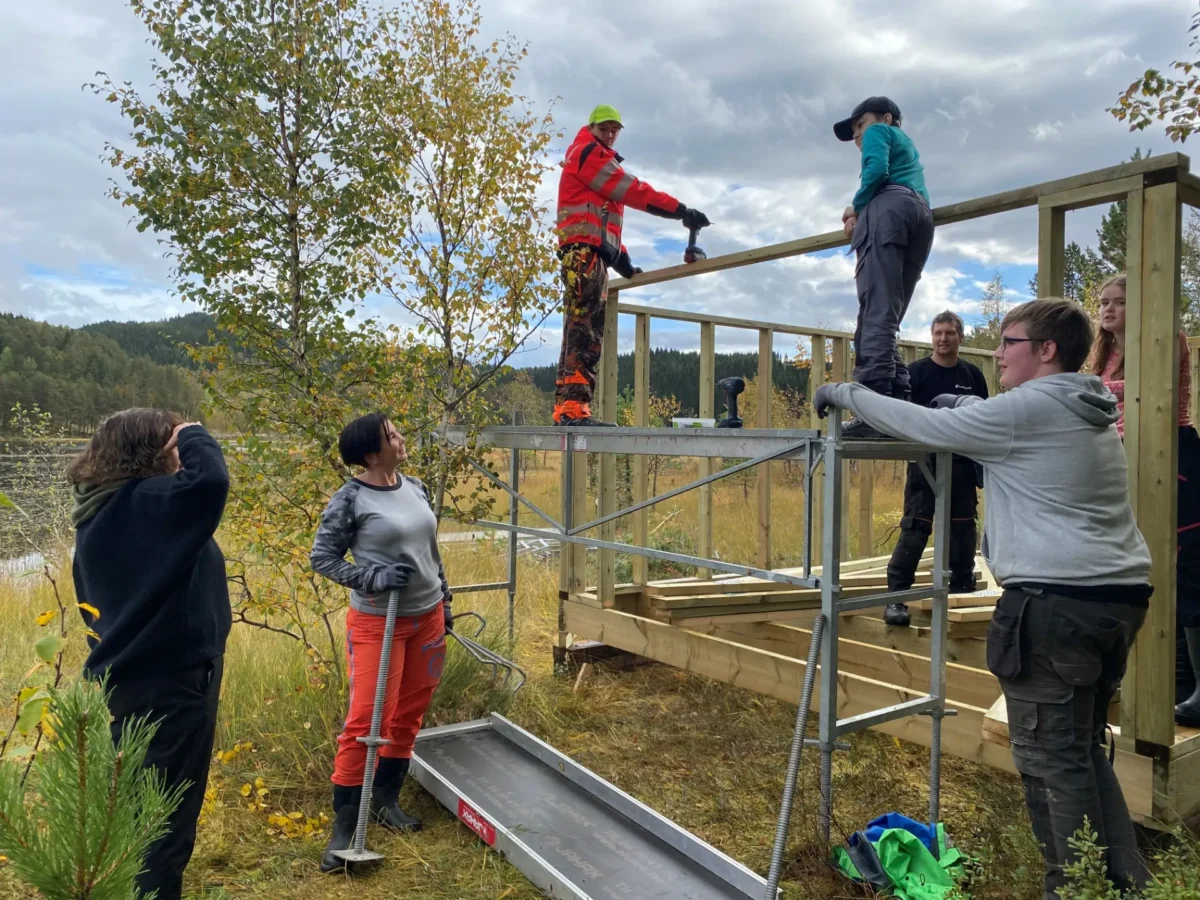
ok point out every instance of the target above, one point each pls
(1187, 713)
(896, 614)
(385, 808)
(587, 422)
(1185, 678)
(345, 822)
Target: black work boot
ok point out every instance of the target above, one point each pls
(896, 614)
(385, 809)
(345, 822)
(1187, 713)
(964, 584)
(586, 422)
(859, 430)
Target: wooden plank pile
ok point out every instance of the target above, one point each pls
(681, 603)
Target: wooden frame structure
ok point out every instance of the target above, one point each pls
(752, 634)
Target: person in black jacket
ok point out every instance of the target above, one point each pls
(149, 493)
(942, 372)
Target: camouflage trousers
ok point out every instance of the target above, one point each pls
(585, 289)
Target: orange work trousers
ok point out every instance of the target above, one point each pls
(418, 652)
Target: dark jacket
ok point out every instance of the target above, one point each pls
(147, 561)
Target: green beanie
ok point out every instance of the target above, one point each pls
(605, 113)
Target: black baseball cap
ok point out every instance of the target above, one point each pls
(881, 105)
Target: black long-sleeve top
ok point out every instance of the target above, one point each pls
(148, 562)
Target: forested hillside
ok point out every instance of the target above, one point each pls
(79, 376)
(677, 373)
(158, 341)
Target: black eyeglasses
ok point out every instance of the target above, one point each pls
(1009, 341)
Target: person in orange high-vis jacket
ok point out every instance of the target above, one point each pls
(592, 195)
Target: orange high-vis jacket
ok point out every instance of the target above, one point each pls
(593, 193)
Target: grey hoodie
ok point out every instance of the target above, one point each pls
(1054, 476)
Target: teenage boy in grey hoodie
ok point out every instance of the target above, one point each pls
(1060, 538)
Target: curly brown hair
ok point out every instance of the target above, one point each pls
(128, 444)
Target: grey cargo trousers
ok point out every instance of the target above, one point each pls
(892, 239)
(1060, 661)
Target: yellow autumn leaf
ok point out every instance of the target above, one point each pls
(47, 617)
(87, 607)
(245, 790)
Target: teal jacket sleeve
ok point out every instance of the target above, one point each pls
(876, 152)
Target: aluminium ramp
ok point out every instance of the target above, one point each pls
(567, 830)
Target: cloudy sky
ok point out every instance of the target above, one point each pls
(727, 106)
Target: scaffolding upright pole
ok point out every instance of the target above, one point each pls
(513, 512)
(940, 617)
(831, 555)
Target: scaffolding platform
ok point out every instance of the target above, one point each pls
(570, 832)
(817, 585)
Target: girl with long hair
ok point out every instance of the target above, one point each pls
(1109, 363)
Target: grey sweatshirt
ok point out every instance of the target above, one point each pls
(381, 526)
(1054, 476)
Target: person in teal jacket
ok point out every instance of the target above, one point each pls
(890, 226)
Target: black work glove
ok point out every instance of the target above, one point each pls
(693, 218)
(447, 615)
(625, 267)
(823, 400)
(391, 578)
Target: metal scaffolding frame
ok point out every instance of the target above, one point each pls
(756, 446)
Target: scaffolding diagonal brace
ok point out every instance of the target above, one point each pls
(508, 490)
(690, 486)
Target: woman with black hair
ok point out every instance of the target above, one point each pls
(385, 520)
(150, 490)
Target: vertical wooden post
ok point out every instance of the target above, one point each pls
(1151, 445)
(766, 356)
(641, 419)
(708, 389)
(1051, 259)
(991, 374)
(607, 385)
(841, 372)
(572, 558)
(1133, 335)
(816, 378)
(866, 511)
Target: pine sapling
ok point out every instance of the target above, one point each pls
(92, 811)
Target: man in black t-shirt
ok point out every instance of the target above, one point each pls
(941, 373)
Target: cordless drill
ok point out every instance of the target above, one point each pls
(692, 253)
(732, 387)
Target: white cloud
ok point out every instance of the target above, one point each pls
(1047, 131)
(1110, 58)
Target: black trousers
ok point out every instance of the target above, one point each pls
(1060, 661)
(185, 706)
(892, 241)
(917, 525)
